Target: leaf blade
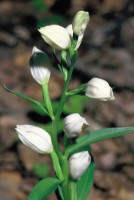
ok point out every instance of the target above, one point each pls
(82, 192)
(97, 136)
(103, 134)
(33, 101)
(44, 188)
(85, 183)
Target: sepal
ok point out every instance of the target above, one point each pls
(78, 163)
(34, 137)
(99, 89)
(56, 36)
(39, 66)
(80, 22)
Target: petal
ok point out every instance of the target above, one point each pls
(35, 137)
(56, 36)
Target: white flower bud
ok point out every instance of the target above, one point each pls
(78, 163)
(69, 28)
(56, 36)
(36, 138)
(39, 62)
(74, 125)
(80, 22)
(99, 89)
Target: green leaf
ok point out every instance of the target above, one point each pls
(103, 134)
(35, 102)
(78, 91)
(55, 105)
(85, 183)
(48, 127)
(65, 73)
(41, 170)
(75, 104)
(40, 5)
(97, 136)
(37, 110)
(55, 19)
(64, 57)
(44, 188)
(60, 193)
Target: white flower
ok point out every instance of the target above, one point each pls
(74, 125)
(69, 28)
(80, 22)
(39, 62)
(34, 137)
(78, 163)
(99, 89)
(56, 36)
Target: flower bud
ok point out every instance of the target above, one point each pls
(36, 138)
(99, 89)
(56, 36)
(78, 163)
(80, 22)
(38, 66)
(74, 125)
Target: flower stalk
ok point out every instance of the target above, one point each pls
(56, 165)
(47, 100)
(73, 189)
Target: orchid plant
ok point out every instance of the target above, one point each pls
(74, 164)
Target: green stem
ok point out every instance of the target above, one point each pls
(55, 140)
(78, 90)
(62, 160)
(65, 190)
(65, 184)
(73, 191)
(59, 111)
(56, 165)
(64, 93)
(47, 100)
(65, 168)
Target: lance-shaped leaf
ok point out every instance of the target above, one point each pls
(44, 188)
(97, 136)
(85, 183)
(35, 102)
